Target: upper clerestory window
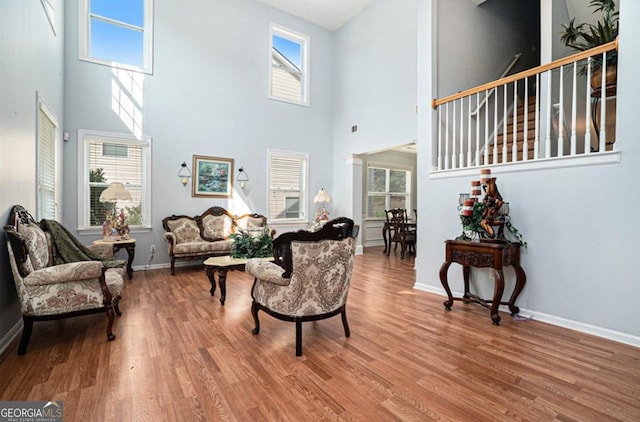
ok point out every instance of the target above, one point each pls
(289, 69)
(117, 33)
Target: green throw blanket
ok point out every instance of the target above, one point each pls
(66, 248)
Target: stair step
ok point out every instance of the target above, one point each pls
(531, 132)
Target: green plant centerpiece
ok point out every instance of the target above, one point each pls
(252, 244)
(585, 36)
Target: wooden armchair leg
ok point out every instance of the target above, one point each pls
(345, 324)
(26, 335)
(298, 338)
(254, 313)
(110, 316)
(116, 306)
(173, 266)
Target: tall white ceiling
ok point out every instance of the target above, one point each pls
(330, 14)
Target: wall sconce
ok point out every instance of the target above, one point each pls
(242, 177)
(184, 173)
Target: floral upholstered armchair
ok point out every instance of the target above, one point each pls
(310, 277)
(48, 289)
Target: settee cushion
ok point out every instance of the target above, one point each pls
(195, 248)
(185, 230)
(36, 245)
(217, 226)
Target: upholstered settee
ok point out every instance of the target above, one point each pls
(208, 234)
(51, 289)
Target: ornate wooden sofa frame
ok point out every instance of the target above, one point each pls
(206, 235)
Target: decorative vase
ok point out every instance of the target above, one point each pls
(611, 79)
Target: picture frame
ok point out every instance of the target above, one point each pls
(213, 177)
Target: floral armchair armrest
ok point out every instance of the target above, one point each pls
(64, 273)
(104, 251)
(266, 271)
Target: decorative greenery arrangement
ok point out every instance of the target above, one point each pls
(471, 225)
(247, 245)
(586, 36)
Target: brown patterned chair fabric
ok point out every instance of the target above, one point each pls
(310, 277)
(206, 235)
(47, 291)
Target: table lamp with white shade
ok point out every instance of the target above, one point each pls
(322, 215)
(114, 193)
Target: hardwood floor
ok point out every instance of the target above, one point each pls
(180, 356)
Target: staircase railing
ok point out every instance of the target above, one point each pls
(519, 122)
(490, 92)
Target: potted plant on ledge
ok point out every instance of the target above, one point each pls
(586, 36)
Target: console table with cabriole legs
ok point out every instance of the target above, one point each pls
(484, 254)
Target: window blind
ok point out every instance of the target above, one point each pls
(46, 165)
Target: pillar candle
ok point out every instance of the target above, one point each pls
(475, 188)
(485, 175)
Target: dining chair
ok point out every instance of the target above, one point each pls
(400, 232)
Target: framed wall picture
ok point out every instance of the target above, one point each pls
(213, 177)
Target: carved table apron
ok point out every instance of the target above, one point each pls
(484, 254)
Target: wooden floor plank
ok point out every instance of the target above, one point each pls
(179, 355)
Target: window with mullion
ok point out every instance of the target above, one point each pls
(118, 33)
(112, 158)
(288, 172)
(387, 188)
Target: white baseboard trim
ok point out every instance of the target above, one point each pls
(11, 335)
(359, 250)
(606, 333)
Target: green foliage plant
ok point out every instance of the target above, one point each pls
(247, 245)
(586, 36)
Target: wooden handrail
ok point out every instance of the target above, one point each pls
(613, 45)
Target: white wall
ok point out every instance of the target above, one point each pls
(375, 80)
(579, 222)
(207, 96)
(30, 61)
(476, 43)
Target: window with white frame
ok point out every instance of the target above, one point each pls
(117, 33)
(108, 158)
(387, 188)
(287, 175)
(46, 134)
(289, 69)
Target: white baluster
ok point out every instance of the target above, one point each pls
(525, 143)
(505, 117)
(561, 115)
(469, 141)
(446, 144)
(461, 157)
(486, 132)
(439, 138)
(495, 128)
(603, 104)
(574, 109)
(547, 142)
(536, 135)
(454, 143)
(587, 115)
(477, 155)
(514, 145)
